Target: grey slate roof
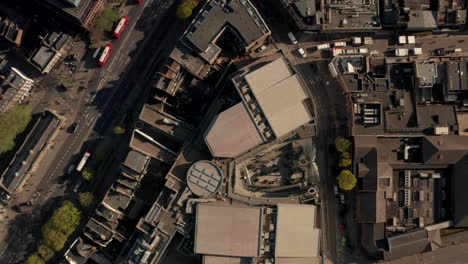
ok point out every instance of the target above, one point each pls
(239, 15)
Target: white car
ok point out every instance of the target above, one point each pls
(302, 52)
(342, 198)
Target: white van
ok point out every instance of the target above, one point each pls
(323, 46)
(292, 38)
(340, 44)
(302, 52)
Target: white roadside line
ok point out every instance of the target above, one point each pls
(9, 241)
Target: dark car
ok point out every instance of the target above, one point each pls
(16, 208)
(62, 179)
(72, 128)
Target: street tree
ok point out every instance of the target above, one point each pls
(346, 180)
(53, 238)
(342, 144)
(119, 129)
(45, 252)
(34, 259)
(184, 11)
(86, 199)
(344, 163)
(88, 173)
(191, 3)
(66, 218)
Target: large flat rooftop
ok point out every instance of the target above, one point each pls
(296, 233)
(228, 230)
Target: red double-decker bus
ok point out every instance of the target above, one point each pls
(121, 26)
(105, 55)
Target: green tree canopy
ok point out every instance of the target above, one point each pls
(107, 19)
(66, 218)
(346, 180)
(34, 259)
(191, 3)
(342, 144)
(12, 123)
(86, 199)
(345, 155)
(88, 173)
(184, 11)
(344, 163)
(45, 252)
(53, 238)
(119, 129)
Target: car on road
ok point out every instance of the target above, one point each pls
(70, 169)
(4, 197)
(344, 241)
(335, 190)
(16, 208)
(292, 38)
(341, 226)
(78, 184)
(72, 128)
(62, 179)
(323, 46)
(302, 53)
(262, 48)
(342, 198)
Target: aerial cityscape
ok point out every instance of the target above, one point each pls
(233, 131)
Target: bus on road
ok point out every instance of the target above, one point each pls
(83, 161)
(121, 26)
(105, 55)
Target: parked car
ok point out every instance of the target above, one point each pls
(292, 38)
(72, 128)
(344, 241)
(342, 198)
(341, 226)
(302, 52)
(335, 190)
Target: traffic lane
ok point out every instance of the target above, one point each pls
(323, 92)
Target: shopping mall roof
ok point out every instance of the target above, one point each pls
(274, 104)
(296, 234)
(237, 123)
(225, 230)
(280, 95)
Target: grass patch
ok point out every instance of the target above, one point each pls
(12, 123)
(106, 20)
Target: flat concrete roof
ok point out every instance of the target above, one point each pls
(232, 132)
(228, 230)
(298, 261)
(296, 234)
(164, 122)
(209, 259)
(462, 124)
(136, 161)
(280, 96)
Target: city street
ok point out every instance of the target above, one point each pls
(110, 93)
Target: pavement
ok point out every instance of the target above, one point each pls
(103, 102)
